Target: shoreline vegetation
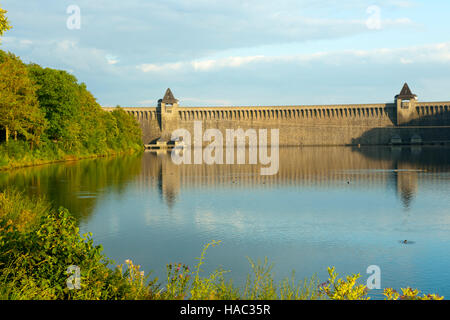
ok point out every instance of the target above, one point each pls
(17, 164)
(47, 116)
(38, 244)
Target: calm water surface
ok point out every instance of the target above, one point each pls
(327, 206)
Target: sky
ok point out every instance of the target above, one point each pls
(239, 52)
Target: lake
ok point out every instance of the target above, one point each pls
(346, 207)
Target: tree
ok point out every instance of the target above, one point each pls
(93, 126)
(19, 107)
(4, 24)
(59, 99)
(129, 130)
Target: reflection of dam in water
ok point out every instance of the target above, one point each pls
(327, 206)
(401, 169)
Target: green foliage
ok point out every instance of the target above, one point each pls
(343, 289)
(139, 286)
(129, 132)
(18, 153)
(182, 283)
(206, 287)
(59, 99)
(22, 212)
(347, 289)
(260, 285)
(57, 116)
(302, 290)
(19, 108)
(177, 281)
(4, 24)
(33, 264)
(409, 294)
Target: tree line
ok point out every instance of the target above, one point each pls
(45, 107)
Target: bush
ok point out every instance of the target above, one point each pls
(33, 264)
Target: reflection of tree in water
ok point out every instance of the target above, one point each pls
(76, 185)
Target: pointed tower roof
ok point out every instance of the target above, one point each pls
(406, 93)
(169, 98)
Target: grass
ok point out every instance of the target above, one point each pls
(38, 244)
(17, 154)
(23, 212)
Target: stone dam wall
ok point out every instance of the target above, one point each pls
(364, 124)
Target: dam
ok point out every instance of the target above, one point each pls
(404, 121)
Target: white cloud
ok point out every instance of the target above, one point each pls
(112, 59)
(162, 67)
(202, 65)
(67, 45)
(416, 54)
(232, 62)
(17, 42)
(26, 42)
(406, 61)
(146, 102)
(401, 3)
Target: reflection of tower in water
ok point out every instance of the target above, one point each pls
(161, 175)
(405, 173)
(168, 181)
(406, 182)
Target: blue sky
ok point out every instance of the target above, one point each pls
(240, 52)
